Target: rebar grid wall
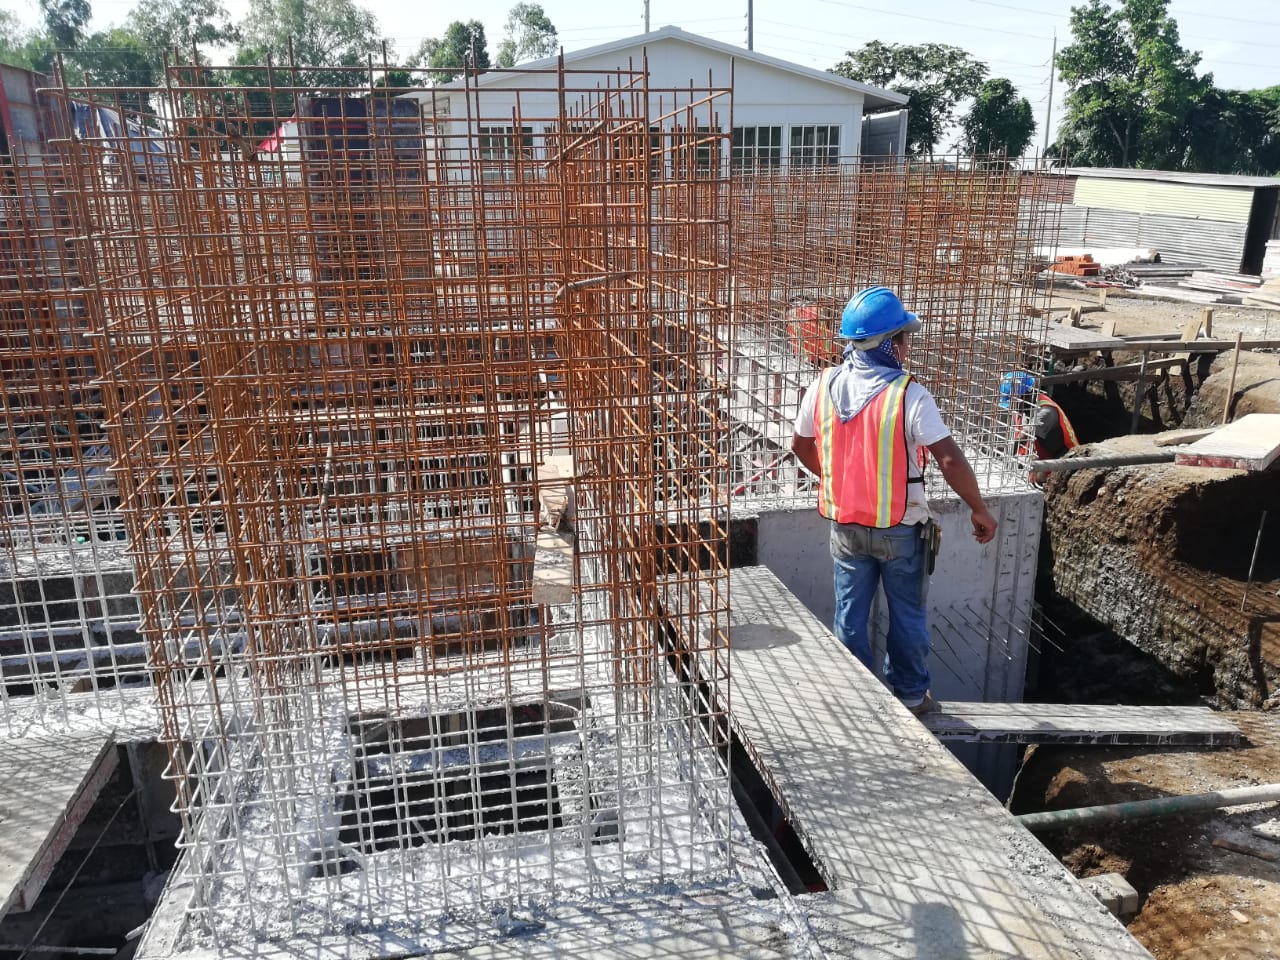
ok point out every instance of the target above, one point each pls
(339, 335)
(68, 621)
(956, 238)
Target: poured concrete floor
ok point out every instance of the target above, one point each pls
(921, 860)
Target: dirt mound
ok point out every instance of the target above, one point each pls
(1160, 555)
(1257, 389)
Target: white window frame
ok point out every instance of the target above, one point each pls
(822, 147)
(756, 154)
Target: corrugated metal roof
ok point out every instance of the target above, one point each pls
(1169, 176)
(1204, 201)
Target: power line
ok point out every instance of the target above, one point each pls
(948, 23)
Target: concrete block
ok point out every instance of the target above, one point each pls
(1113, 892)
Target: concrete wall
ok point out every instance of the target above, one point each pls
(980, 600)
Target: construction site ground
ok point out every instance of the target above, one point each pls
(1161, 554)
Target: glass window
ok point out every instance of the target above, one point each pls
(756, 147)
(500, 147)
(815, 144)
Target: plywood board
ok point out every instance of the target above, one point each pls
(1250, 443)
(1079, 723)
(47, 786)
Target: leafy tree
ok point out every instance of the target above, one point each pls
(117, 57)
(530, 35)
(180, 25)
(325, 33)
(935, 76)
(1233, 131)
(462, 45)
(395, 80)
(21, 47)
(65, 21)
(1131, 85)
(999, 120)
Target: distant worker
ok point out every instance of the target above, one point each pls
(860, 431)
(1053, 432)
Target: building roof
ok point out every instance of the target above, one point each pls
(1170, 176)
(874, 97)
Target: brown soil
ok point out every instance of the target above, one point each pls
(1144, 570)
(1198, 901)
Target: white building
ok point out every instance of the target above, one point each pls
(783, 113)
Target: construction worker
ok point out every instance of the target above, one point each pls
(860, 431)
(1054, 434)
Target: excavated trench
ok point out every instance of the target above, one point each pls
(1144, 582)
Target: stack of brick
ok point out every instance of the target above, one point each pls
(1077, 266)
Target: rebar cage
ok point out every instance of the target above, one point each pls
(388, 439)
(344, 333)
(955, 237)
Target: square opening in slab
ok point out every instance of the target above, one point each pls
(459, 776)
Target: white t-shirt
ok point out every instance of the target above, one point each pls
(922, 428)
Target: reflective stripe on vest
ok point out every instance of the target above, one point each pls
(864, 459)
(1068, 431)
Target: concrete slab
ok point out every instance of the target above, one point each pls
(47, 786)
(921, 859)
(1250, 443)
(1080, 723)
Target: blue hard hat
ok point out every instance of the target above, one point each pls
(1015, 383)
(873, 315)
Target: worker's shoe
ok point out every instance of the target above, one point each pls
(925, 704)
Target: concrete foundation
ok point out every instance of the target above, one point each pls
(980, 599)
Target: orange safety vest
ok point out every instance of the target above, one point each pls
(1068, 432)
(864, 459)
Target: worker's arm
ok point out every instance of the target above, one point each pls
(959, 476)
(806, 451)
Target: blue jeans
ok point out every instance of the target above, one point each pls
(893, 557)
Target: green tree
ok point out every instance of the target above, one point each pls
(325, 33)
(935, 76)
(117, 57)
(65, 21)
(462, 45)
(1130, 83)
(1233, 131)
(530, 35)
(999, 121)
(25, 48)
(181, 25)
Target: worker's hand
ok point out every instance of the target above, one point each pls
(984, 526)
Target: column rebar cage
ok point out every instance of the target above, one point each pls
(351, 340)
(959, 239)
(68, 621)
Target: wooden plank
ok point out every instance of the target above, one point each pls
(1198, 346)
(47, 786)
(553, 568)
(1250, 443)
(1079, 723)
(1178, 438)
(1125, 371)
(1073, 338)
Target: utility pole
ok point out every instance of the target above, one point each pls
(751, 20)
(1053, 68)
(646, 16)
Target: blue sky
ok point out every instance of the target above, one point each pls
(1014, 37)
